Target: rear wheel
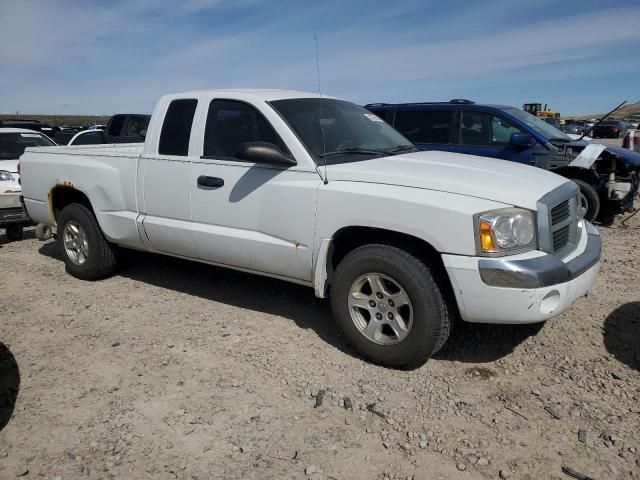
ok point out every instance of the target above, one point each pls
(389, 306)
(87, 253)
(14, 232)
(588, 201)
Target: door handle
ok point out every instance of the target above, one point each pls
(212, 182)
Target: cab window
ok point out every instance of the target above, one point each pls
(176, 129)
(230, 123)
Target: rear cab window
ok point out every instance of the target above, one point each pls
(176, 129)
(426, 126)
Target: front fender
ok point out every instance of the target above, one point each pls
(441, 219)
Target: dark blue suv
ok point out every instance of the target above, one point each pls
(512, 134)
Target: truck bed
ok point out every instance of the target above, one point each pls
(105, 173)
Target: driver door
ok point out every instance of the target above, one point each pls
(252, 216)
(487, 135)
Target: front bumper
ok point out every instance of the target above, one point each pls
(11, 210)
(525, 288)
(12, 216)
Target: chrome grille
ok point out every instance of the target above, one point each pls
(558, 220)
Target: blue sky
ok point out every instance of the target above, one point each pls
(104, 57)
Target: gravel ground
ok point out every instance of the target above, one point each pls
(172, 369)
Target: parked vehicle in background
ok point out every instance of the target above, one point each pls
(35, 125)
(13, 218)
(89, 137)
(609, 129)
(13, 142)
(319, 191)
(572, 127)
(589, 123)
(631, 140)
(498, 131)
(65, 134)
(121, 128)
(127, 128)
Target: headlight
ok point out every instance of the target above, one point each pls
(505, 231)
(6, 176)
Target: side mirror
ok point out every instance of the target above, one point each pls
(521, 140)
(263, 152)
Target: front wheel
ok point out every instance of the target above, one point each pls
(389, 306)
(87, 253)
(588, 201)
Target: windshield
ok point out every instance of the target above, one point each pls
(543, 128)
(12, 145)
(336, 131)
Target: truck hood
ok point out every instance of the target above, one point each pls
(488, 178)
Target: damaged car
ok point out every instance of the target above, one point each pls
(607, 175)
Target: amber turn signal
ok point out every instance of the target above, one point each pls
(486, 241)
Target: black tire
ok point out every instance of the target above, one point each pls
(432, 316)
(44, 232)
(591, 196)
(101, 259)
(14, 232)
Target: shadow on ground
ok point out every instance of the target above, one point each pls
(622, 334)
(28, 234)
(482, 343)
(230, 287)
(473, 343)
(9, 385)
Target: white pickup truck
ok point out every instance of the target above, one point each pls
(321, 192)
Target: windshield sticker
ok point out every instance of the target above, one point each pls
(30, 135)
(373, 118)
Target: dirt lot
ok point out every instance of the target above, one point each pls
(177, 370)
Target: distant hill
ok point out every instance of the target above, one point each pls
(61, 120)
(626, 111)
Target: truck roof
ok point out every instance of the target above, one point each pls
(266, 95)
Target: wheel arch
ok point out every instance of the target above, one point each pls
(346, 239)
(62, 195)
